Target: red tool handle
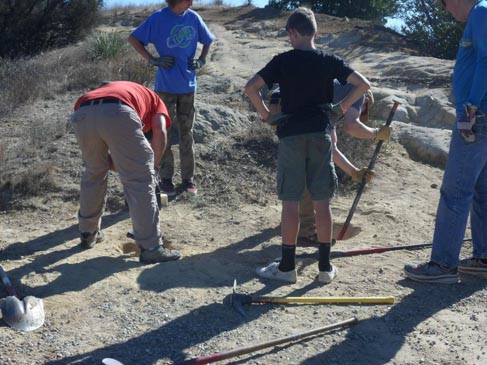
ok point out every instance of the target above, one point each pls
(367, 251)
(245, 350)
(362, 184)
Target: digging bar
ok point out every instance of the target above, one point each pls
(362, 184)
(219, 356)
(24, 315)
(368, 251)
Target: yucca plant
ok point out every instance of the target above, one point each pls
(106, 45)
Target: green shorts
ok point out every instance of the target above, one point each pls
(306, 160)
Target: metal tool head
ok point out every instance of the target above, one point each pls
(237, 300)
(108, 361)
(24, 315)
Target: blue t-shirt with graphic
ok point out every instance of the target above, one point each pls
(470, 72)
(178, 36)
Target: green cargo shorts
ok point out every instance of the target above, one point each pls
(306, 160)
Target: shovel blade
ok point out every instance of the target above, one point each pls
(24, 315)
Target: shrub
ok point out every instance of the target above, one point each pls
(106, 45)
(29, 27)
(35, 181)
(21, 81)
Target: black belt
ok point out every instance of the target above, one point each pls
(102, 101)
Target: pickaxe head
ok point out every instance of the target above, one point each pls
(237, 301)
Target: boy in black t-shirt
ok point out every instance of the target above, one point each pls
(305, 76)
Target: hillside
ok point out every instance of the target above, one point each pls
(102, 303)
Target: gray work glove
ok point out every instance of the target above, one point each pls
(467, 121)
(164, 62)
(277, 119)
(195, 64)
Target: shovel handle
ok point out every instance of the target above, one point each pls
(362, 184)
(6, 282)
(325, 300)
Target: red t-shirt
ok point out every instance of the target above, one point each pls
(143, 100)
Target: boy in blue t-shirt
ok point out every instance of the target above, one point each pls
(175, 32)
(305, 76)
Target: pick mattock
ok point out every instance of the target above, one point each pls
(238, 300)
(26, 314)
(219, 356)
(362, 184)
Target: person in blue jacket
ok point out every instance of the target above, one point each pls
(464, 187)
(175, 32)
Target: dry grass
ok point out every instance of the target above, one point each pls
(104, 56)
(234, 169)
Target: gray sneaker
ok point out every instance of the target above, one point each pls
(89, 240)
(431, 272)
(473, 266)
(272, 272)
(158, 254)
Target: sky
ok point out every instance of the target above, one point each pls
(391, 23)
(111, 3)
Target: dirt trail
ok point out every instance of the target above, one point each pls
(103, 303)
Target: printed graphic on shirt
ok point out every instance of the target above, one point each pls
(464, 43)
(181, 36)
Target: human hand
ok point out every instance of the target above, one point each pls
(277, 118)
(467, 121)
(164, 62)
(195, 64)
(364, 172)
(383, 133)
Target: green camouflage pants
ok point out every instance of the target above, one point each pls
(182, 112)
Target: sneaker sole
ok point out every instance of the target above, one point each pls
(175, 258)
(190, 192)
(443, 279)
(473, 271)
(265, 276)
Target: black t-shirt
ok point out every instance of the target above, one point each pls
(305, 79)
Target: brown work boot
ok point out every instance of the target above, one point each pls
(158, 254)
(89, 240)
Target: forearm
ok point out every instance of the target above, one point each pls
(252, 89)
(159, 139)
(158, 144)
(342, 162)
(204, 52)
(360, 86)
(338, 157)
(355, 128)
(139, 47)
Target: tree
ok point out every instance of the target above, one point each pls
(376, 10)
(28, 27)
(432, 27)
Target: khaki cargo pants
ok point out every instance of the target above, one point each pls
(182, 112)
(118, 129)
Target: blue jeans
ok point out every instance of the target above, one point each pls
(464, 189)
